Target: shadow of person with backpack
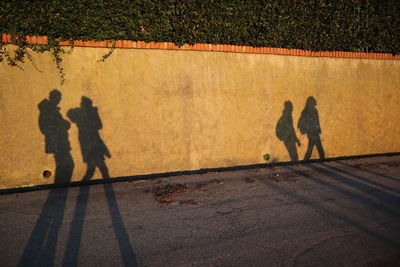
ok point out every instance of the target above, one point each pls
(93, 148)
(40, 250)
(55, 130)
(285, 131)
(309, 124)
(94, 152)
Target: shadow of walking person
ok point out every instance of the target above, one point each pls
(309, 124)
(93, 148)
(93, 151)
(55, 129)
(40, 249)
(285, 131)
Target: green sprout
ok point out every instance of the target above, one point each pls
(267, 157)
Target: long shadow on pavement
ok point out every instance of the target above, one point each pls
(396, 179)
(94, 150)
(75, 234)
(41, 247)
(126, 250)
(386, 199)
(364, 179)
(329, 211)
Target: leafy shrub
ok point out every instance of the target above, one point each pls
(319, 25)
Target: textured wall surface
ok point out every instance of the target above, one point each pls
(165, 111)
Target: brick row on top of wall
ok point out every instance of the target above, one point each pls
(6, 38)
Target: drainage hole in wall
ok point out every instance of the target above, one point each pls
(46, 174)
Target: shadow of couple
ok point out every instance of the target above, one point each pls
(308, 124)
(42, 245)
(55, 130)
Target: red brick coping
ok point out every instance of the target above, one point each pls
(6, 38)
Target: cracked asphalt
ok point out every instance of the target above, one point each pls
(338, 213)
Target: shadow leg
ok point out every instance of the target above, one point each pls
(64, 167)
(104, 170)
(75, 233)
(310, 147)
(291, 148)
(321, 151)
(41, 247)
(125, 247)
(90, 170)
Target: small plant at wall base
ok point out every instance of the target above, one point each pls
(266, 157)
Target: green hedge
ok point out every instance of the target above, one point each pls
(321, 25)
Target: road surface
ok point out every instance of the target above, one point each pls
(339, 213)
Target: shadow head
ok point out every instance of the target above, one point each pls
(288, 106)
(55, 96)
(311, 101)
(86, 102)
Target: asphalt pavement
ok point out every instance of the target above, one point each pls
(337, 213)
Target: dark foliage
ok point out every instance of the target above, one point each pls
(319, 25)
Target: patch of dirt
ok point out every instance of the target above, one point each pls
(189, 202)
(249, 180)
(166, 194)
(284, 177)
(377, 165)
(394, 164)
(207, 183)
(270, 168)
(274, 168)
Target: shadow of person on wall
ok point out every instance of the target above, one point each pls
(93, 151)
(93, 148)
(55, 129)
(285, 131)
(309, 124)
(40, 249)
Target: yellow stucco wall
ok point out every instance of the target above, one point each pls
(168, 111)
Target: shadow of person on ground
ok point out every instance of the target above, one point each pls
(343, 189)
(41, 246)
(285, 131)
(93, 148)
(124, 244)
(71, 256)
(309, 124)
(93, 151)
